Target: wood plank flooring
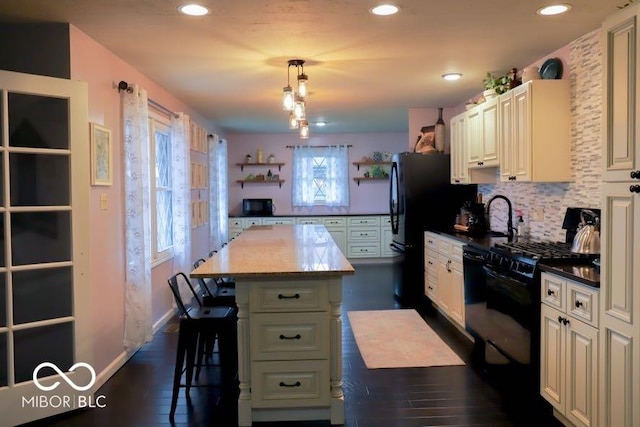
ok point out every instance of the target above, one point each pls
(139, 395)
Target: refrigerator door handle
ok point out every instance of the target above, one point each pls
(394, 199)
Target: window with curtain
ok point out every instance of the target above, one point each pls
(320, 176)
(161, 189)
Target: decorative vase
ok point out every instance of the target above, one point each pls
(530, 73)
(440, 128)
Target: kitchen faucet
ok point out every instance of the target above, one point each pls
(510, 217)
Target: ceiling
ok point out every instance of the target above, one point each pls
(365, 71)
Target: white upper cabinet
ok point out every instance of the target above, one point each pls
(535, 132)
(482, 135)
(620, 116)
(459, 166)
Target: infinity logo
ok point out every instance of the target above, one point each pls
(64, 376)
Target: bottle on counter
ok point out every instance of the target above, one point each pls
(520, 231)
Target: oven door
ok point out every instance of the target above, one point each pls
(509, 316)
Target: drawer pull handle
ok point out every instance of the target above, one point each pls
(296, 296)
(283, 384)
(579, 304)
(550, 292)
(284, 337)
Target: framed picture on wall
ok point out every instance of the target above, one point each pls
(101, 155)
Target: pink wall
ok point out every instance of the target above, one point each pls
(101, 69)
(368, 198)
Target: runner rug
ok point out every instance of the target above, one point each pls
(399, 339)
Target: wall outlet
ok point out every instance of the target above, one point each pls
(538, 214)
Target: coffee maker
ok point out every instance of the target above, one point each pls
(471, 219)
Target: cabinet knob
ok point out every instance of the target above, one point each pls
(550, 292)
(635, 174)
(480, 163)
(634, 188)
(579, 304)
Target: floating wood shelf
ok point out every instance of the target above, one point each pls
(260, 181)
(362, 178)
(243, 165)
(371, 163)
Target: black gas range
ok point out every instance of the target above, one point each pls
(520, 259)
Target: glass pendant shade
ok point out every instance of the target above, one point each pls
(293, 122)
(288, 98)
(304, 129)
(299, 109)
(302, 85)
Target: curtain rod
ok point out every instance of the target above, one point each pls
(162, 108)
(318, 146)
(122, 85)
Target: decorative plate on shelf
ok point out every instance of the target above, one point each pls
(551, 69)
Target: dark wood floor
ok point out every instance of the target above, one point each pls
(140, 392)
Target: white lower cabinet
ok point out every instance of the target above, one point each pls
(569, 349)
(360, 236)
(448, 290)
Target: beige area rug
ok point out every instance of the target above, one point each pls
(399, 339)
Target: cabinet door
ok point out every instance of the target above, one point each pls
(444, 283)
(521, 127)
(581, 368)
(459, 173)
(474, 137)
(457, 293)
(490, 126)
(506, 136)
(552, 357)
(619, 89)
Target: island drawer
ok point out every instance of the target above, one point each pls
(289, 336)
(302, 383)
(294, 296)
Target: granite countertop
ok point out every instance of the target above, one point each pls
(586, 274)
(481, 241)
(276, 251)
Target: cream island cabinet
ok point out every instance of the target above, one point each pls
(289, 296)
(619, 355)
(569, 349)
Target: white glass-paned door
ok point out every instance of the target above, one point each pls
(44, 278)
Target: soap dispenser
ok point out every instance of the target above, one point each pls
(520, 227)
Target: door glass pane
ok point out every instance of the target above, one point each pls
(38, 121)
(38, 237)
(41, 294)
(39, 180)
(2, 252)
(3, 300)
(3, 360)
(1, 173)
(33, 346)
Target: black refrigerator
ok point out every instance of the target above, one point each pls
(421, 198)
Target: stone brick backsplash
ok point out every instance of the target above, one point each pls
(584, 69)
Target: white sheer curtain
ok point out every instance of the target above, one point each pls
(138, 327)
(335, 161)
(302, 176)
(337, 179)
(181, 198)
(218, 192)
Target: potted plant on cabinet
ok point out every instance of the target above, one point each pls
(494, 86)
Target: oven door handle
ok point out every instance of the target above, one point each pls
(491, 272)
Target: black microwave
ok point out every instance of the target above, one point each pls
(257, 207)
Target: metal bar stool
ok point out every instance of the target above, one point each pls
(197, 326)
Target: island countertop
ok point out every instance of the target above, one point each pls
(278, 250)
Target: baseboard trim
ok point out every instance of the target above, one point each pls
(124, 357)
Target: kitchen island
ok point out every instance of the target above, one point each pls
(289, 296)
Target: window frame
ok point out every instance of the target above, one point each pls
(160, 123)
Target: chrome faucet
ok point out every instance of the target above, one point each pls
(509, 219)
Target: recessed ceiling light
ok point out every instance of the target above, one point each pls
(451, 76)
(320, 124)
(385, 9)
(554, 9)
(193, 9)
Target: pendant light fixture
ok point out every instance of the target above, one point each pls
(294, 100)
